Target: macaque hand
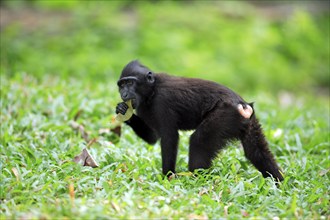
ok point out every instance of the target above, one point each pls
(121, 108)
(124, 111)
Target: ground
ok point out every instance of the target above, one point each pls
(59, 68)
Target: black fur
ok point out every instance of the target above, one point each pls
(165, 104)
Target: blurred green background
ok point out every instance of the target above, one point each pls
(249, 46)
(60, 61)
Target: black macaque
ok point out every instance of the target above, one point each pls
(165, 104)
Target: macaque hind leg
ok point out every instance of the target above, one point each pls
(211, 136)
(202, 151)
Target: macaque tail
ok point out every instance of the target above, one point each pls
(257, 151)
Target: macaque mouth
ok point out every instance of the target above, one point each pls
(133, 103)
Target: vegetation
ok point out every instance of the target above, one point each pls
(59, 65)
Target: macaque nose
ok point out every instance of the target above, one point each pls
(124, 95)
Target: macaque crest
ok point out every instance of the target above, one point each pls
(245, 112)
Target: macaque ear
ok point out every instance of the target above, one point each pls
(150, 77)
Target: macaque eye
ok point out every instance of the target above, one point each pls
(121, 84)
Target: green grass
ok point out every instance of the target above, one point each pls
(38, 142)
(58, 73)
